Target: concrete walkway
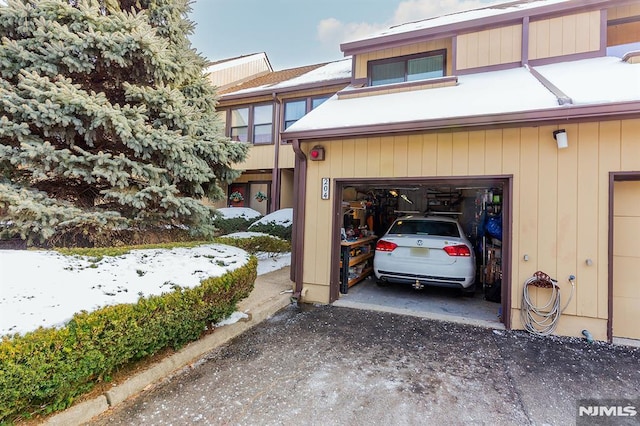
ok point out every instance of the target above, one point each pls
(271, 293)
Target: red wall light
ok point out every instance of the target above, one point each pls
(317, 153)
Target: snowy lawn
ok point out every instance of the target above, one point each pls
(45, 288)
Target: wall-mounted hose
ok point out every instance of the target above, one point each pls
(543, 320)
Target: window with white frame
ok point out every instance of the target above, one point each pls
(408, 68)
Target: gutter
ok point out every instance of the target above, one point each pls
(566, 113)
(300, 189)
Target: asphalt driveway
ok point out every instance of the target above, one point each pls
(327, 365)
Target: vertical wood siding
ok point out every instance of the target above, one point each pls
(286, 157)
(560, 197)
(258, 157)
(623, 34)
(363, 59)
(626, 260)
(623, 11)
(564, 35)
(489, 47)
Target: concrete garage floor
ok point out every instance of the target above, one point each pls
(430, 302)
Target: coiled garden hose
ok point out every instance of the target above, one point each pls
(543, 320)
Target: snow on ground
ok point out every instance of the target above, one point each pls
(280, 217)
(233, 212)
(45, 288)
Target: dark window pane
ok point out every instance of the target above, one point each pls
(262, 133)
(239, 134)
(316, 102)
(293, 111)
(239, 117)
(387, 73)
(423, 68)
(262, 114)
(414, 227)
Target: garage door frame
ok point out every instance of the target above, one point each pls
(614, 177)
(489, 180)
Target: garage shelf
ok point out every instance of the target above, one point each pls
(367, 245)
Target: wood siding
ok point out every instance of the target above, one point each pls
(621, 12)
(363, 59)
(626, 260)
(489, 47)
(560, 199)
(223, 78)
(564, 35)
(286, 157)
(258, 157)
(623, 33)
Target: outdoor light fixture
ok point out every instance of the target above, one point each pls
(561, 138)
(317, 153)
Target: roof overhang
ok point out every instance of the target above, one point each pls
(283, 90)
(447, 30)
(562, 114)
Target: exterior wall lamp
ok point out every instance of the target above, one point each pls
(561, 138)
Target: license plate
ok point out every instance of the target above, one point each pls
(419, 251)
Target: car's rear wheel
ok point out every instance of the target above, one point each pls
(469, 291)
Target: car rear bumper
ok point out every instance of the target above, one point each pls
(404, 278)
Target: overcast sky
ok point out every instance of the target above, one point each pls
(302, 32)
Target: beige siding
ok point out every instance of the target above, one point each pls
(489, 47)
(258, 157)
(286, 157)
(626, 260)
(286, 185)
(363, 59)
(240, 72)
(560, 199)
(565, 35)
(623, 34)
(623, 11)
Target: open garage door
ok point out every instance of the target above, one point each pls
(365, 209)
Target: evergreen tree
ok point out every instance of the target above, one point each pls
(106, 120)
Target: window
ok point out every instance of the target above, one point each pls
(262, 124)
(295, 110)
(408, 68)
(253, 124)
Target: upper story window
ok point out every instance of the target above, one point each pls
(254, 123)
(296, 109)
(408, 68)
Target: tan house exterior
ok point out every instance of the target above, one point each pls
(260, 104)
(511, 75)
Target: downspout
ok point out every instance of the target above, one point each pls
(275, 172)
(299, 189)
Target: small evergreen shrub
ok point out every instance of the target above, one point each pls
(273, 228)
(233, 224)
(253, 245)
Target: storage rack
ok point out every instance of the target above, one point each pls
(357, 257)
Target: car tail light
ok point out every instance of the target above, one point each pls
(460, 250)
(383, 245)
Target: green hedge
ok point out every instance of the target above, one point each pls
(233, 224)
(255, 244)
(273, 228)
(45, 370)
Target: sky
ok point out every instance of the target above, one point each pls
(302, 32)
(45, 288)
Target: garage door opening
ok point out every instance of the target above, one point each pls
(365, 209)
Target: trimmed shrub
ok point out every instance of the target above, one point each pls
(45, 370)
(253, 245)
(233, 224)
(273, 228)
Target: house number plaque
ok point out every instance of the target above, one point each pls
(324, 192)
